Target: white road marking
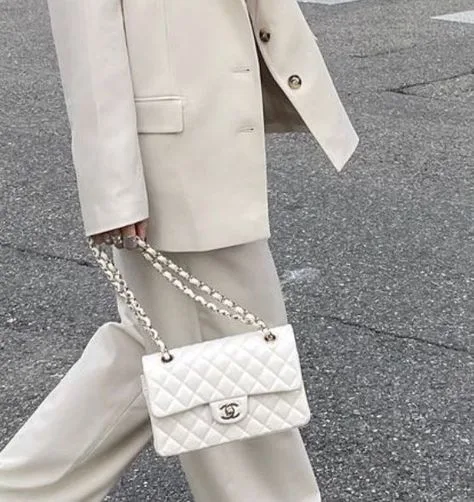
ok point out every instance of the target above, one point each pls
(327, 2)
(459, 17)
(306, 274)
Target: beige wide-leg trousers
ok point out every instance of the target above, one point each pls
(92, 425)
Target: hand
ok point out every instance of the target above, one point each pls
(127, 233)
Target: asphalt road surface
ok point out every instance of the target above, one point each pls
(376, 262)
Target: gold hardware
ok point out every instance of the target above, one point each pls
(294, 81)
(264, 35)
(270, 337)
(167, 357)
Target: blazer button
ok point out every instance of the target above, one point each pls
(264, 35)
(294, 81)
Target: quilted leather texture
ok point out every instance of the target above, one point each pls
(179, 393)
(237, 365)
(195, 429)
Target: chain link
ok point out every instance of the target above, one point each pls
(175, 275)
(158, 260)
(118, 282)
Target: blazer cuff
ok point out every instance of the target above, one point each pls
(120, 219)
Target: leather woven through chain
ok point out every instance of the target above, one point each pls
(175, 275)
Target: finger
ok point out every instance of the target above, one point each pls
(141, 229)
(99, 238)
(117, 240)
(129, 237)
(108, 238)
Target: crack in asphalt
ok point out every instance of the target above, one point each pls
(392, 334)
(378, 331)
(405, 87)
(387, 52)
(44, 254)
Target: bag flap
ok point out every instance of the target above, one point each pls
(159, 115)
(217, 369)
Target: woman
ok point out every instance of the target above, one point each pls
(168, 123)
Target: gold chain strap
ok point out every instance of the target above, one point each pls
(159, 262)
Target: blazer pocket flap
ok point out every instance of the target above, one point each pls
(159, 115)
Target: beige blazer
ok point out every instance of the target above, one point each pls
(169, 104)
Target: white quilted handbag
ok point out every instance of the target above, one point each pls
(209, 393)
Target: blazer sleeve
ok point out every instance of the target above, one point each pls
(92, 54)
